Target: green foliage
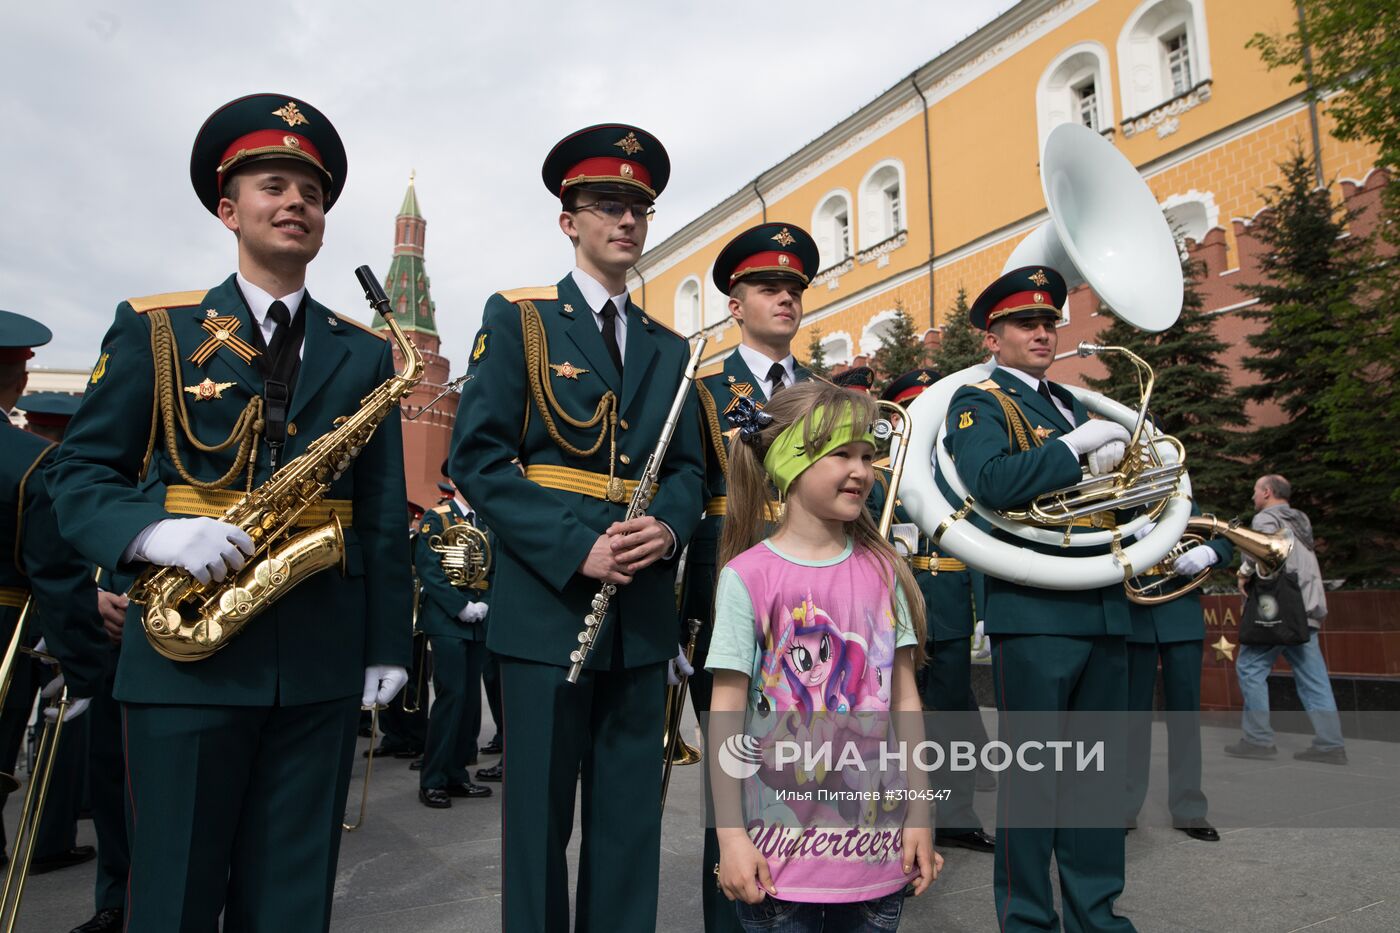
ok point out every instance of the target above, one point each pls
(1192, 399)
(901, 349)
(961, 345)
(1326, 358)
(816, 356)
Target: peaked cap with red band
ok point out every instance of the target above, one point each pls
(49, 409)
(856, 379)
(265, 126)
(768, 251)
(903, 388)
(613, 158)
(1030, 291)
(19, 335)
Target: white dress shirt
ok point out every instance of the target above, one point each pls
(1034, 384)
(596, 294)
(759, 364)
(258, 303)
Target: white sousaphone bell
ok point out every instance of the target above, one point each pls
(1105, 229)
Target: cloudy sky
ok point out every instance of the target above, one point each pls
(103, 100)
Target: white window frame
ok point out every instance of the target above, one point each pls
(1056, 94)
(877, 223)
(870, 335)
(689, 307)
(1144, 77)
(824, 227)
(839, 347)
(1202, 204)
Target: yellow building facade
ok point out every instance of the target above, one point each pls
(928, 187)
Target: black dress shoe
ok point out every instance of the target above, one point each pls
(492, 747)
(491, 774)
(1243, 749)
(411, 752)
(434, 797)
(976, 840)
(416, 765)
(1199, 829)
(106, 920)
(74, 856)
(467, 789)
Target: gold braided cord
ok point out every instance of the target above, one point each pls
(1017, 426)
(537, 378)
(170, 405)
(711, 410)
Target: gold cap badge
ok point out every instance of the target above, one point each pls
(629, 144)
(291, 114)
(784, 238)
(1040, 278)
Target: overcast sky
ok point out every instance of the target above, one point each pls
(103, 99)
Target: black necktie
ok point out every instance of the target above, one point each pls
(609, 314)
(1044, 390)
(776, 376)
(279, 368)
(278, 312)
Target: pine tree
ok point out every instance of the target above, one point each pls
(1317, 332)
(816, 356)
(1192, 398)
(900, 350)
(961, 346)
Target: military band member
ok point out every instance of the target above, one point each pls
(1173, 633)
(454, 620)
(1015, 436)
(239, 763)
(946, 584)
(764, 271)
(576, 381)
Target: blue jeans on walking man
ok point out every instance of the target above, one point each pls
(1314, 689)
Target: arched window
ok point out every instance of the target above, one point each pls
(1191, 214)
(831, 228)
(879, 327)
(1075, 89)
(716, 302)
(837, 347)
(687, 314)
(1162, 53)
(882, 204)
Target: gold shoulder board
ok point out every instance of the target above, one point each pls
(986, 384)
(364, 327)
(443, 510)
(537, 293)
(714, 369)
(166, 300)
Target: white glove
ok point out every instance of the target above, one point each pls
(676, 668)
(382, 684)
(1105, 459)
(981, 644)
(1093, 434)
(1195, 560)
(204, 547)
(42, 648)
(473, 612)
(75, 709)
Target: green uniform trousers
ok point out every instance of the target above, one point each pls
(948, 687)
(607, 729)
(228, 817)
(107, 793)
(1055, 672)
(455, 721)
(1181, 692)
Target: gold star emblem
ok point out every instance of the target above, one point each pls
(1041, 433)
(784, 238)
(291, 114)
(1040, 278)
(567, 370)
(629, 144)
(208, 389)
(1224, 649)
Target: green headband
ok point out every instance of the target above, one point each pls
(787, 459)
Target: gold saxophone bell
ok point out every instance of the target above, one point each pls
(1270, 551)
(676, 750)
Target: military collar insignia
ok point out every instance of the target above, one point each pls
(223, 332)
(1040, 278)
(568, 308)
(629, 144)
(567, 370)
(291, 114)
(332, 320)
(784, 238)
(210, 312)
(208, 389)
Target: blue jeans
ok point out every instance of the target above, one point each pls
(1314, 689)
(772, 915)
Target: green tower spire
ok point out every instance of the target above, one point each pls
(407, 282)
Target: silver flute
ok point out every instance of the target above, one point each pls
(641, 499)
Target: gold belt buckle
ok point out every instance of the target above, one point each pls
(617, 489)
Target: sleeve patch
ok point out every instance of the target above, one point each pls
(967, 418)
(100, 369)
(481, 345)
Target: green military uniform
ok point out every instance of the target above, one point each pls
(458, 652)
(1173, 632)
(542, 387)
(239, 763)
(1051, 649)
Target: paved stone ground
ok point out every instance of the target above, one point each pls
(434, 870)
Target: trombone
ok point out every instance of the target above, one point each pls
(373, 710)
(420, 656)
(676, 749)
(35, 796)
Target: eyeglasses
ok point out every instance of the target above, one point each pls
(614, 210)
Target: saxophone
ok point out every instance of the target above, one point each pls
(186, 620)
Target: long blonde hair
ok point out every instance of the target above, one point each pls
(821, 405)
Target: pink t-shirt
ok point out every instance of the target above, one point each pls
(816, 638)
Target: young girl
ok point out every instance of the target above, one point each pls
(814, 624)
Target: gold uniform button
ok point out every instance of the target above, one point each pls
(623, 424)
(624, 458)
(291, 429)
